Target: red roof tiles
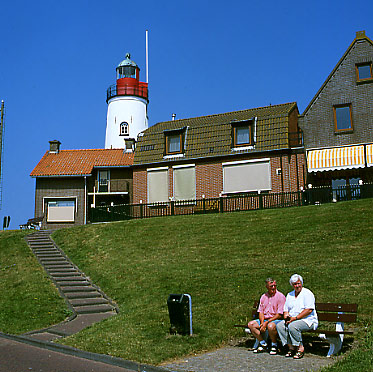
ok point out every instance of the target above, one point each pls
(80, 162)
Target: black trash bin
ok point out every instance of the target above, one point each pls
(180, 311)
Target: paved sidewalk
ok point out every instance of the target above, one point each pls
(240, 359)
(20, 357)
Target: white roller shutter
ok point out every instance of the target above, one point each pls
(247, 176)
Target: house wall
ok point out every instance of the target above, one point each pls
(209, 175)
(57, 188)
(120, 179)
(318, 122)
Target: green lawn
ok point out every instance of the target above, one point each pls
(222, 261)
(28, 301)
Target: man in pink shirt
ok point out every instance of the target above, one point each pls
(271, 308)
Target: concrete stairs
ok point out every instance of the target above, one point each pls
(87, 302)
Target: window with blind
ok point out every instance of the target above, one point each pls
(61, 210)
(184, 182)
(157, 185)
(247, 176)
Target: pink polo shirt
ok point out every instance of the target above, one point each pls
(271, 306)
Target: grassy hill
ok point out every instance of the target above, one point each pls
(29, 300)
(222, 261)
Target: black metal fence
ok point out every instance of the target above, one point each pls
(244, 202)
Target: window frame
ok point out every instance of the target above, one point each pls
(252, 168)
(51, 209)
(162, 172)
(364, 80)
(239, 125)
(103, 187)
(176, 187)
(176, 134)
(126, 131)
(343, 130)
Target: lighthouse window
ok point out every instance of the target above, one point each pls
(124, 129)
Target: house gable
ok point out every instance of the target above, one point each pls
(340, 114)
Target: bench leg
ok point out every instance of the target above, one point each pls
(335, 342)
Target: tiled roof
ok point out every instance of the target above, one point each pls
(208, 136)
(80, 162)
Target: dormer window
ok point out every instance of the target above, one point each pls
(243, 133)
(364, 72)
(174, 142)
(124, 129)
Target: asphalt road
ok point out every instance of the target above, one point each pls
(21, 357)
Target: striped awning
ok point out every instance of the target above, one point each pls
(336, 158)
(369, 155)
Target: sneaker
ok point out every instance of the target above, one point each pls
(260, 349)
(273, 350)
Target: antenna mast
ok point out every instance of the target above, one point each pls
(147, 56)
(2, 114)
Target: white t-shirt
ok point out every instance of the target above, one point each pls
(305, 300)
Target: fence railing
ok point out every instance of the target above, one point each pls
(252, 201)
(117, 90)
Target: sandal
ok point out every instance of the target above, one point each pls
(298, 355)
(289, 354)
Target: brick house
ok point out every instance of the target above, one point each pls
(338, 122)
(70, 182)
(254, 150)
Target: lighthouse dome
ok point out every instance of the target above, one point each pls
(127, 61)
(127, 68)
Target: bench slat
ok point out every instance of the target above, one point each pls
(347, 308)
(329, 332)
(335, 317)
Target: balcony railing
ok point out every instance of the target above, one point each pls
(112, 186)
(138, 91)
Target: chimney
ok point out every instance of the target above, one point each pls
(173, 116)
(54, 147)
(360, 34)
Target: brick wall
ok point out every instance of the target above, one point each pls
(209, 175)
(342, 88)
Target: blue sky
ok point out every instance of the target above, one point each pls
(58, 58)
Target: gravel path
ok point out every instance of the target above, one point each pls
(240, 359)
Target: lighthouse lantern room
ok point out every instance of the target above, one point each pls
(127, 113)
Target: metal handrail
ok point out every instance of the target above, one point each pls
(115, 90)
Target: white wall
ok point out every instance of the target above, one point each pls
(132, 110)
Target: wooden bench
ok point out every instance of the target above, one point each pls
(333, 314)
(32, 223)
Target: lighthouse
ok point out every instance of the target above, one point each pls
(127, 113)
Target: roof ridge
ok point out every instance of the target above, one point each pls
(225, 113)
(121, 149)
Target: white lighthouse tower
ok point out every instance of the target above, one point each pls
(127, 113)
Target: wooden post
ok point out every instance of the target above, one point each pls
(221, 204)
